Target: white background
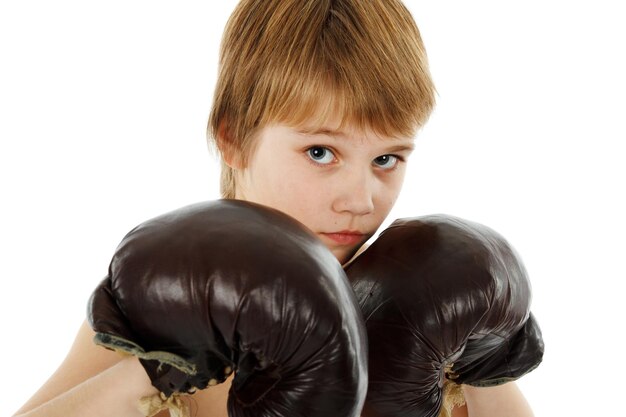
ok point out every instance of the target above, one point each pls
(103, 108)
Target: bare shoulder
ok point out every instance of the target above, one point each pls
(84, 360)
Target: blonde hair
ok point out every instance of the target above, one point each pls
(288, 61)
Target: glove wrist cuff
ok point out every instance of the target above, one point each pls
(125, 346)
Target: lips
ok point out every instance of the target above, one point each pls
(345, 237)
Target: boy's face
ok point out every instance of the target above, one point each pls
(339, 183)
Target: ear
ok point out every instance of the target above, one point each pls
(231, 153)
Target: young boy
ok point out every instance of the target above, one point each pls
(315, 110)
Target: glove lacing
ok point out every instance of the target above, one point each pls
(151, 405)
(452, 397)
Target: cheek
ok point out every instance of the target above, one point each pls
(398, 183)
(293, 191)
(390, 190)
(384, 207)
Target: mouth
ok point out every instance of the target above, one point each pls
(345, 237)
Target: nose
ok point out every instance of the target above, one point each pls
(354, 193)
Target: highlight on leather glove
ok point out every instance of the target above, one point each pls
(230, 286)
(445, 300)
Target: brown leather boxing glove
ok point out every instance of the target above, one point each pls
(443, 299)
(232, 286)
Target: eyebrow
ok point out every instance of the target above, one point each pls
(402, 148)
(408, 146)
(322, 131)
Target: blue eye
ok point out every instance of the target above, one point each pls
(386, 161)
(321, 155)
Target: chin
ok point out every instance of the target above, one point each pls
(341, 255)
(345, 256)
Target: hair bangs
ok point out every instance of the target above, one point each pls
(343, 73)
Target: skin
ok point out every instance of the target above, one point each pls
(332, 180)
